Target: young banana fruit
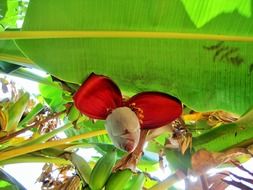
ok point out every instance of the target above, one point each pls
(136, 182)
(102, 170)
(118, 180)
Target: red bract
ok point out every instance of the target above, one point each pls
(99, 96)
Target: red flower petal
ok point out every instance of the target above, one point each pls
(155, 109)
(97, 97)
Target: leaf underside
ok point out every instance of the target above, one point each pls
(205, 75)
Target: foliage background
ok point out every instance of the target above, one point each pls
(197, 51)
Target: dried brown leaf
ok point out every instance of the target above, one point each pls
(183, 145)
(202, 161)
(74, 184)
(220, 117)
(215, 182)
(57, 178)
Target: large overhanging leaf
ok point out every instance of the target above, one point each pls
(204, 74)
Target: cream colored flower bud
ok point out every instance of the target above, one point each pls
(123, 128)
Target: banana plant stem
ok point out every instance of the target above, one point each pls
(120, 34)
(28, 149)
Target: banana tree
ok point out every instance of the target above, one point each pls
(197, 53)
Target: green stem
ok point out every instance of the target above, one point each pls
(119, 34)
(47, 136)
(169, 181)
(27, 149)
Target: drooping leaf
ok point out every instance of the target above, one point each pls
(204, 74)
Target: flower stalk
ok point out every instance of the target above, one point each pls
(32, 148)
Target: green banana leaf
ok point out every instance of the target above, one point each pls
(6, 67)
(8, 14)
(178, 161)
(10, 53)
(205, 74)
(34, 111)
(228, 135)
(53, 96)
(9, 47)
(210, 74)
(3, 8)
